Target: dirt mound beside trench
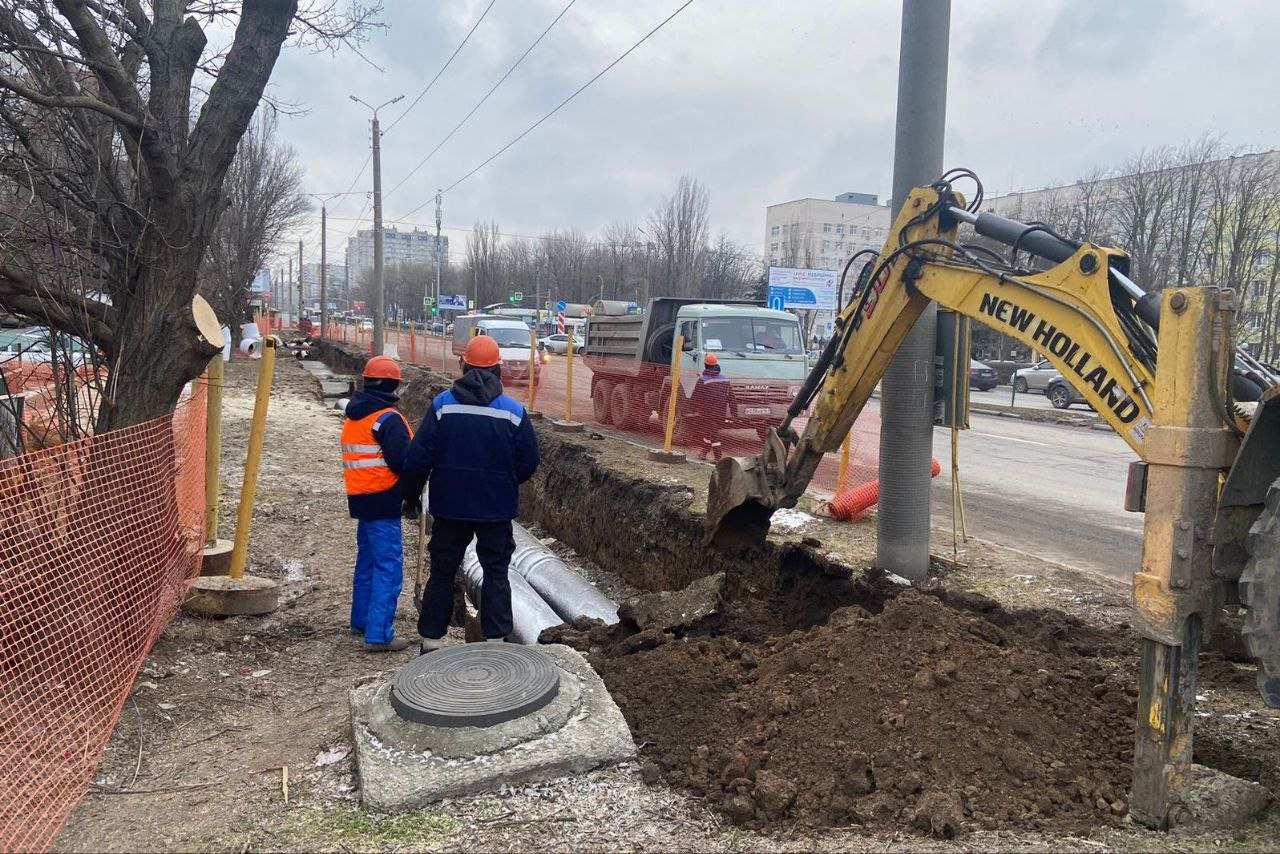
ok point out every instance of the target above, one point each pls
(923, 714)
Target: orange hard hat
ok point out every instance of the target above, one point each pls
(382, 368)
(711, 359)
(482, 352)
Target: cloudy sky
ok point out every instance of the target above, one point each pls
(761, 100)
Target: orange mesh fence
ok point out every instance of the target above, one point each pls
(630, 398)
(99, 539)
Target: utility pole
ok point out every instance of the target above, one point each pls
(906, 396)
(324, 292)
(379, 292)
(437, 249)
(302, 297)
(288, 291)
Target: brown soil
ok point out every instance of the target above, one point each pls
(924, 714)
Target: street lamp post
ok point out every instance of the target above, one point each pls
(378, 285)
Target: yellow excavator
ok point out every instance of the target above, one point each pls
(1161, 368)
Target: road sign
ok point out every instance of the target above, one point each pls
(517, 297)
(561, 306)
(798, 288)
(428, 301)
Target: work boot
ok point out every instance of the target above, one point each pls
(393, 645)
(430, 645)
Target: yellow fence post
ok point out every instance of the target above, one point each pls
(213, 379)
(533, 370)
(676, 351)
(842, 474)
(253, 460)
(568, 381)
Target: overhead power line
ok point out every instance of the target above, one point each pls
(557, 107)
(447, 62)
(480, 103)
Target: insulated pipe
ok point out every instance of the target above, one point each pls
(529, 614)
(569, 594)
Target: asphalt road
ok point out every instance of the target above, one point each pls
(1000, 395)
(1053, 491)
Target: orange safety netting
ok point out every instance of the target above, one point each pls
(631, 399)
(99, 539)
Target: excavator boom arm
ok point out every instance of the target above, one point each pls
(1073, 313)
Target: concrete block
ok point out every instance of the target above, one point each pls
(224, 596)
(568, 426)
(216, 559)
(668, 609)
(657, 455)
(404, 766)
(335, 388)
(1213, 799)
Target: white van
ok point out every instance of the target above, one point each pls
(514, 342)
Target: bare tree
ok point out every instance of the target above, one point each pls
(679, 229)
(264, 201)
(116, 181)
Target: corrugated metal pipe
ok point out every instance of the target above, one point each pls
(545, 592)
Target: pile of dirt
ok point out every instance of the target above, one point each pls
(926, 714)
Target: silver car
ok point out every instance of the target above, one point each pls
(559, 343)
(1035, 378)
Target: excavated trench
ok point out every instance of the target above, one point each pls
(813, 691)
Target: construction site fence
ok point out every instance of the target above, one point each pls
(101, 539)
(629, 399)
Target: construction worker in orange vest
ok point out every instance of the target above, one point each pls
(375, 437)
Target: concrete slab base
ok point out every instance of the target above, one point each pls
(224, 596)
(335, 388)
(405, 766)
(568, 426)
(216, 559)
(657, 455)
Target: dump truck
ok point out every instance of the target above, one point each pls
(760, 351)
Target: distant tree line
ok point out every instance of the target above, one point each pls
(1199, 213)
(670, 253)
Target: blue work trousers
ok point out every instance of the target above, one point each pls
(378, 578)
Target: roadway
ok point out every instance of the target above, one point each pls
(1051, 490)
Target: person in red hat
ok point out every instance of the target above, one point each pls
(709, 405)
(475, 447)
(375, 437)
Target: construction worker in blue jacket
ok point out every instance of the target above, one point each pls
(375, 437)
(474, 449)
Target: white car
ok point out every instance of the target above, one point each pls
(1035, 378)
(559, 343)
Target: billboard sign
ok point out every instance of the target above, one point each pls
(809, 289)
(453, 302)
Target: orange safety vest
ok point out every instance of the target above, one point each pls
(363, 468)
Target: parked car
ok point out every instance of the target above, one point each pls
(1062, 394)
(366, 326)
(981, 376)
(559, 343)
(437, 327)
(1035, 378)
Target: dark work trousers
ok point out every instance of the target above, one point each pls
(449, 541)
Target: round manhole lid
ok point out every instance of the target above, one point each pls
(474, 684)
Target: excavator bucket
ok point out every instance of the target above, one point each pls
(741, 497)
(738, 504)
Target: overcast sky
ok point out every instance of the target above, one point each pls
(761, 100)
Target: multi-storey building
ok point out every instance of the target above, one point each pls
(398, 247)
(822, 234)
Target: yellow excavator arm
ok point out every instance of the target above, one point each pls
(1084, 314)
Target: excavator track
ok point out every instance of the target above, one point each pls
(1260, 594)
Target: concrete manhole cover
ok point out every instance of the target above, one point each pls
(474, 684)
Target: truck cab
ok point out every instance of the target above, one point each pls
(760, 351)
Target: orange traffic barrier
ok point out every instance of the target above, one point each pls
(851, 504)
